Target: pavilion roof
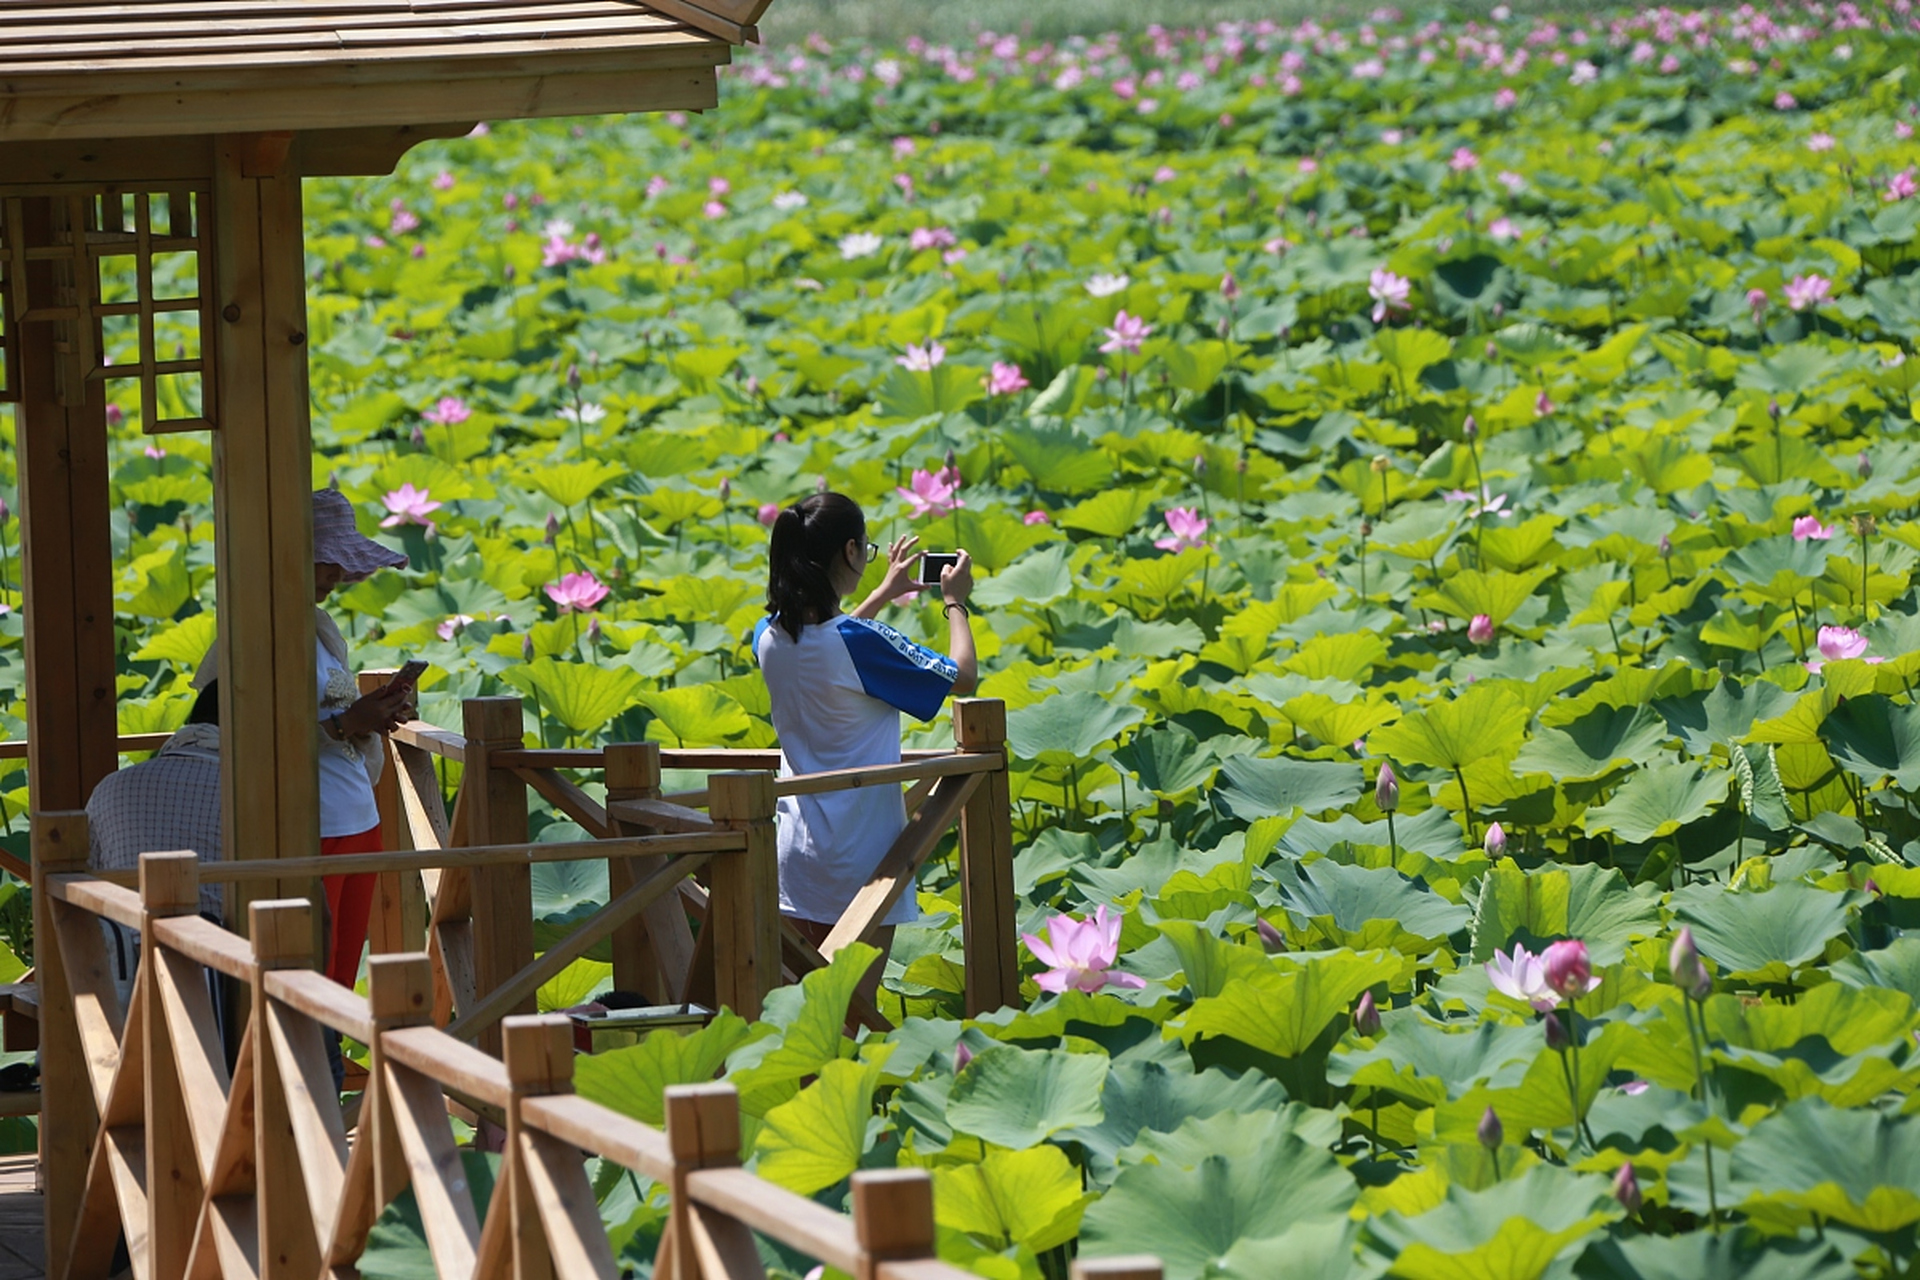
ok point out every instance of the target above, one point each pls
(79, 69)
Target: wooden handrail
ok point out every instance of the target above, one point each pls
(432, 738)
(16, 748)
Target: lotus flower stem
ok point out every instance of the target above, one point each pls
(1694, 1034)
(1799, 631)
(1393, 840)
(1466, 805)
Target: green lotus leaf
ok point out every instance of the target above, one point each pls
(1367, 908)
(1765, 936)
(1167, 759)
(811, 1018)
(1657, 801)
(1016, 1098)
(1846, 1045)
(1725, 713)
(574, 985)
(1589, 902)
(1701, 1255)
(155, 585)
(1532, 345)
(995, 539)
(1031, 1198)
(1896, 966)
(572, 483)
(816, 1138)
(1112, 513)
(184, 643)
(1426, 1063)
(634, 1080)
(1038, 578)
(1317, 1250)
(1254, 787)
(397, 1245)
(1189, 1216)
(1058, 461)
(1154, 1095)
(1069, 727)
(694, 716)
(1486, 720)
(1514, 1230)
(1859, 1167)
(1873, 737)
(908, 395)
(1285, 1004)
(1471, 592)
(1411, 352)
(1595, 744)
(581, 696)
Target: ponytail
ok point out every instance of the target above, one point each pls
(806, 538)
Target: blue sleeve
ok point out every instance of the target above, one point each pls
(759, 634)
(892, 668)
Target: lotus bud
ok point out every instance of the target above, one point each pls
(593, 632)
(1686, 968)
(1863, 525)
(1386, 789)
(553, 529)
(1229, 287)
(1568, 968)
(507, 273)
(726, 488)
(1864, 465)
(1366, 528)
(1241, 465)
(820, 485)
(1366, 1015)
(573, 377)
(1496, 841)
(1480, 630)
(6, 512)
(1381, 464)
(961, 1057)
(1556, 1033)
(1666, 547)
(1773, 410)
(1626, 1189)
(1199, 465)
(1271, 938)
(526, 648)
(1491, 1132)
(419, 437)
(1493, 352)
(1470, 429)
(333, 481)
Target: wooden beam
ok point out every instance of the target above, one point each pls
(987, 922)
(66, 548)
(263, 514)
(66, 1102)
(502, 895)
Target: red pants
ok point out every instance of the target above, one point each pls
(350, 903)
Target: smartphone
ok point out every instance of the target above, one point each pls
(407, 676)
(933, 564)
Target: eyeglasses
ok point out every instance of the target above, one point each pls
(873, 552)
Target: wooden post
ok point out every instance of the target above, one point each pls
(263, 520)
(399, 994)
(282, 933)
(538, 1052)
(652, 953)
(66, 551)
(703, 1132)
(169, 886)
(743, 908)
(399, 920)
(892, 1218)
(67, 1115)
(1137, 1266)
(987, 921)
(497, 814)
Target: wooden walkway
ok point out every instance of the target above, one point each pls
(22, 1256)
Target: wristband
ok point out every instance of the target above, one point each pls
(955, 604)
(333, 728)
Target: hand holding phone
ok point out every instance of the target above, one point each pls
(933, 564)
(408, 676)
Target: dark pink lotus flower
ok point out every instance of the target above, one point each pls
(577, 592)
(1567, 968)
(409, 505)
(1080, 954)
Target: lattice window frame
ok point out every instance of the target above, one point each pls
(77, 306)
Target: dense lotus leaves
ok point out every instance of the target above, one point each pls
(1657, 801)
(634, 1080)
(1513, 1231)
(1766, 936)
(1152, 1094)
(1702, 1256)
(1069, 727)
(1589, 902)
(1018, 1097)
(1366, 908)
(817, 1137)
(1857, 1167)
(1425, 1062)
(1595, 744)
(1873, 738)
(1256, 788)
(1896, 967)
(1486, 720)
(1031, 1198)
(1283, 1005)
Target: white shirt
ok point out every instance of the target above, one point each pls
(347, 806)
(837, 694)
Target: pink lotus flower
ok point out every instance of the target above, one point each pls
(1189, 529)
(1502, 229)
(1900, 186)
(403, 219)
(1809, 527)
(769, 512)
(453, 625)
(1080, 954)
(1784, 101)
(1512, 181)
(713, 209)
(933, 493)
(931, 238)
(448, 410)
(1568, 969)
(1463, 160)
(1504, 98)
(718, 187)
(1389, 293)
(1036, 517)
(922, 359)
(1126, 333)
(409, 505)
(1757, 303)
(1543, 404)
(1523, 977)
(1820, 142)
(1495, 842)
(1839, 643)
(115, 415)
(1480, 630)
(443, 181)
(1807, 291)
(1006, 379)
(577, 592)
(156, 452)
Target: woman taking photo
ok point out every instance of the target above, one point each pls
(838, 683)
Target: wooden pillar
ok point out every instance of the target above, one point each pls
(282, 934)
(399, 994)
(67, 1116)
(399, 922)
(892, 1218)
(743, 907)
(263, 515)
(703, 1132)
(538, 1054)
(497, 814)
(653, 953)
(169, 886)
(987, 922)
(66, 549)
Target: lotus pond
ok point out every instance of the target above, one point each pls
(1525, 407)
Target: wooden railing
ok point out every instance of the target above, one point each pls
(251, 1172)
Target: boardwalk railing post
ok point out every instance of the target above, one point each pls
(538, 1054)
(987, 920)
(282, 935)
(399, 994)
(169, 886)
(67, 1116)
(650, 954)
(497, 814)
(399, 903)
(703, 1132)
(892, 1218)
(1132, 1267)
(743, 909)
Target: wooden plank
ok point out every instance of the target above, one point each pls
(433, 739)
(723, 1246)
(231, 1173)
(323, 1000)
(173, 1175)
(126, 1158)
(433, 1162)
(922, 1269)
(743, 914)
(282, 935)
(892, 1217)
(502, 895)
(800, 1223)
(1129, 1267)
(450, 1063)
(519, 856)
(217, 29)
(559, 1187)
(97, 1015)
(313, 1108)
(655, 954)
(703, 1132)
(806, 784)
(206, 943)
(90, 894)
(589, 1126)
(658, 815)
(988, 925)
(569, 799)
(418, 789)
(496, 1004)
(199, 1055)
(899, 869)
(387, 924)
(452, 945)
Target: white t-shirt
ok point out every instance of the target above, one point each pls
(837, 695)
(347, 806)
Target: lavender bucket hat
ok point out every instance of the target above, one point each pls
(338, 540)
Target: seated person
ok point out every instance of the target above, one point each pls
(161, 805)
(838, 684)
